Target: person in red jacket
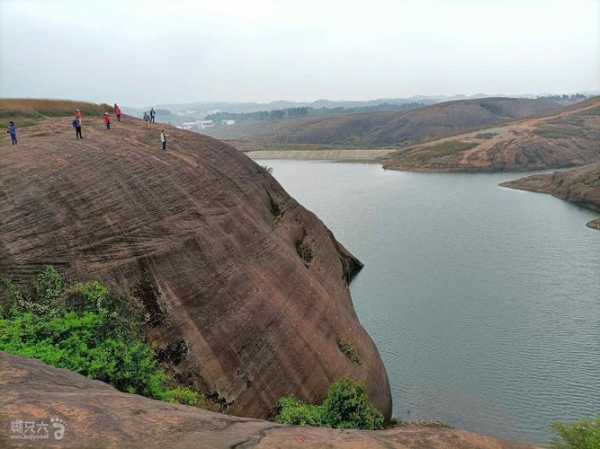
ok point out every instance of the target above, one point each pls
(107, 120)
(117, 112)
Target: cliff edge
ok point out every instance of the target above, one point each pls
(88, 414)
(246, 292)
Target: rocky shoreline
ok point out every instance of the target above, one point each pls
(594, 224)
(580, 186)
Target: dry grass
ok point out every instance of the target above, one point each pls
(431, 154)
(27, 111)
(558, 132)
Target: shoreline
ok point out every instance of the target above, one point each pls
(594, 224)
(342, 155)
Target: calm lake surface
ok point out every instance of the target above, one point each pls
(483, 301)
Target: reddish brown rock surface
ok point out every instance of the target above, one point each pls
(247, 290)
(96, 415)
(579, 185)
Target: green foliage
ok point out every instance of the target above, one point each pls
(294, 412)
(345, 407)
(349, 351)
(187, 396)
(10, 297)
(584, 434)
(45, 292)
(81, 327)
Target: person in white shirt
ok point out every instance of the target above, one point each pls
(163, 140)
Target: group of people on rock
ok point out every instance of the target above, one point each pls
(106, 117)
(149, 117)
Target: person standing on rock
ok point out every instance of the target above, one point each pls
(12, 130)
(147, 119)
(117, 112)
(77, 126)
(163, 140)
(107, 120)
(152, 115)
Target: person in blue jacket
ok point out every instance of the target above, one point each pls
(12, 130)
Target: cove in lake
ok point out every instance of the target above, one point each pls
(483, 301)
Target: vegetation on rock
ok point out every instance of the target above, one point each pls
(83, 328)
(584, 434)
(349, 351)
(345, 407)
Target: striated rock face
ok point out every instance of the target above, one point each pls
(95, 415)
(567, 139)
(246, 290)
(579, 185)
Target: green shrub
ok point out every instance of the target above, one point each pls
(183, 395)
(349, 351)
(79, 343)
(584, 434)
(45, 292)
(294, 412)
(345, 407)
(10, 297)
(81, 327)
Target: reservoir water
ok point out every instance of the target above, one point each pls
(483, 301)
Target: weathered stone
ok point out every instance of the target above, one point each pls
(208, 240)
(95, 415)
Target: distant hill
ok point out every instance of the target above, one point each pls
(406, 128)
(568, 138)
(257, 117)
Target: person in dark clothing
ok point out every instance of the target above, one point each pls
(12, 130)
(152, 115)
(77, 126)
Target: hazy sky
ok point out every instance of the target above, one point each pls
(144, 52)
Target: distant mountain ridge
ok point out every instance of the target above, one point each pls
(568, 138)
(407, 127)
